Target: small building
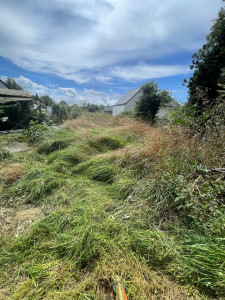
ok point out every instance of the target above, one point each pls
(15, 111)
(128, 101)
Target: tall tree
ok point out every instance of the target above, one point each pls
(208, 63)
(48, 101)
(11, 84)
(149, 102)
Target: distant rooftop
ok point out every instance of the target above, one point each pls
(127, 97)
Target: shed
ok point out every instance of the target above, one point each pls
(8, 96)
(15, 111)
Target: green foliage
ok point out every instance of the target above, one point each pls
(11, 84)
(48, 147)
(104, 143)
(104, 212)
(149, 102)
(92, 107)
(15, 116)
(222, 84)
(34, 187)
(75, 111)
(127, 114)
(103, 174)
(207, 63)
(2, 118)
(60, 112)
(4, 154)
(35, 132)
(70, 156)
(48, 101)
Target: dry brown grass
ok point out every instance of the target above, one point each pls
(158, 141)
(213, 149)
(170, 141)
(14, 222)
(146, 283)
(12, 173)
(93, 120)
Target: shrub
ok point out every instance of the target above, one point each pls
(35, 132)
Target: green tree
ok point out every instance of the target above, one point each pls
(208, 63)
(221, 84)
(48, 101)
(75, 111)
(11, 84)
(149, 102)
(60, 112)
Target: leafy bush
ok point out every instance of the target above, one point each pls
(35, 132)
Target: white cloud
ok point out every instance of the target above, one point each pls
(31, 86)
(74, 96)
(143, 71)
(69, 95)
(93, 39)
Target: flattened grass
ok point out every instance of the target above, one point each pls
(120, 200)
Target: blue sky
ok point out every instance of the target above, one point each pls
(96, 50)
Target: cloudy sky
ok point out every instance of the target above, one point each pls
(96, 50)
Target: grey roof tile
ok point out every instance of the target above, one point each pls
(127, 97)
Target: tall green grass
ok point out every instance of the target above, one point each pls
(152, 217)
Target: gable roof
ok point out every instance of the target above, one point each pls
(127, 97)
(11, 96)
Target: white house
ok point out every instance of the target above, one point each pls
(127, 103)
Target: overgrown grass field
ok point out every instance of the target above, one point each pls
(104, 199)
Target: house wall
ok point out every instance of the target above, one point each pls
(117, 109)
(129, 106)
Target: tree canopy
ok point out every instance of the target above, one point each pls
(150, 100)
(208, 63)
(11, 84)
